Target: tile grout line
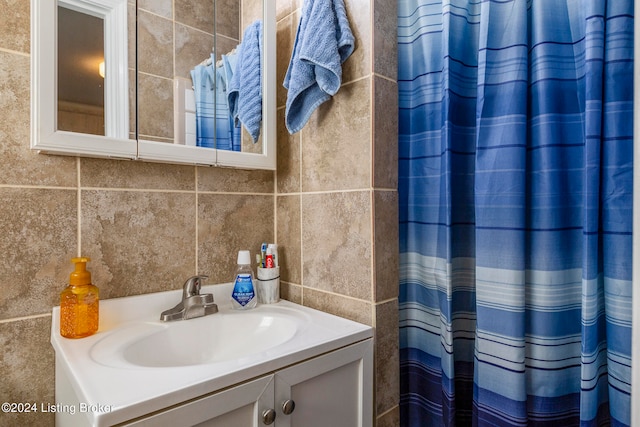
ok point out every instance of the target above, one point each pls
(17, 319)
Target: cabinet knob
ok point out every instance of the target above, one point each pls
(288, 406)
(268, 416)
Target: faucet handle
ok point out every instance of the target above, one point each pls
(192, 286)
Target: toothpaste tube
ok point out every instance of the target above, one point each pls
(274, 253)
(268, 260)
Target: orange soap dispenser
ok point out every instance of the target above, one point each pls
(79, 303)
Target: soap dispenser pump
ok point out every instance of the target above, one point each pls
(79, 303)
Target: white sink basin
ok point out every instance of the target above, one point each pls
(136, 364)
(214, 338)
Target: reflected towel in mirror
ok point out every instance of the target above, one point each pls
(245, 88)
(228, 133)
(204, 93)
(228, 65)
(323, 42)
(214, 126)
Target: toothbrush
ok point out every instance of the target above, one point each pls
(263, 254)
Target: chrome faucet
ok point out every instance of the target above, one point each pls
(193, 304)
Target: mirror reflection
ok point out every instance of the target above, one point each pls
(80, 72)
(199, 74)
(198, 81)
(177, 86)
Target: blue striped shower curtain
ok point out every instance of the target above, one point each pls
(515, 187)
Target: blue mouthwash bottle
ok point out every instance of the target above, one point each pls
(243, 296)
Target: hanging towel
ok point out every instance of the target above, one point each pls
(226, 138)
(323, 42)
(222, 120)
(204, 93)
(228, 66)
(245, 88)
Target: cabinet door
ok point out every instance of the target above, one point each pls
(335, 390)
(238, 406)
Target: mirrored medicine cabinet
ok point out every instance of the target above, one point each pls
(116, 79)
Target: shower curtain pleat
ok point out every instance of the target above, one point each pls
(515, 189)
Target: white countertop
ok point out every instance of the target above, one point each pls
(132, 391)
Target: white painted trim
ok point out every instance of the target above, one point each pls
(165, 152)
(269, 122)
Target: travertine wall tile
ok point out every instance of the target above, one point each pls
(386, 244)
(39, 228)
(155, 45)
(385, 38)
(155, 95)
(163, 8)
(225, 45)
(20, 165)
(235, 180)
(285, 36)
(387, 359)
(138, 241)
(336, 243)
(336, 142)
(195, 13)
(140, 175)
(288, 162)
(390, 418)
(359, 63)
(385, 141)
(284, 8)
(228, 18)
(228, 223)
(288, 238)
(15, 26)
(349, 308)
(131, 35)
(192, 46)
(251, 10)
(290, 292)
(27, 370)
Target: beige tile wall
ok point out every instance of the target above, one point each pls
(331, 206)
(336, 191)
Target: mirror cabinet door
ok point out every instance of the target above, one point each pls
(74, 109)
(189, 85)
(257, 141)
(131, 86)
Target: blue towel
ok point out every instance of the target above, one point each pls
(214, 126)
(228, 66)
(223, 122)
(245, 88)
(204, 93)
(225, 130)
(323, 42)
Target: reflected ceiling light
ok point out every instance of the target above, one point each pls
(101, 69)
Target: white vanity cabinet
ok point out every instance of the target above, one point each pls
(232, 368)
(334, 389)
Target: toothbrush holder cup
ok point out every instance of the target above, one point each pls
(268, 285)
